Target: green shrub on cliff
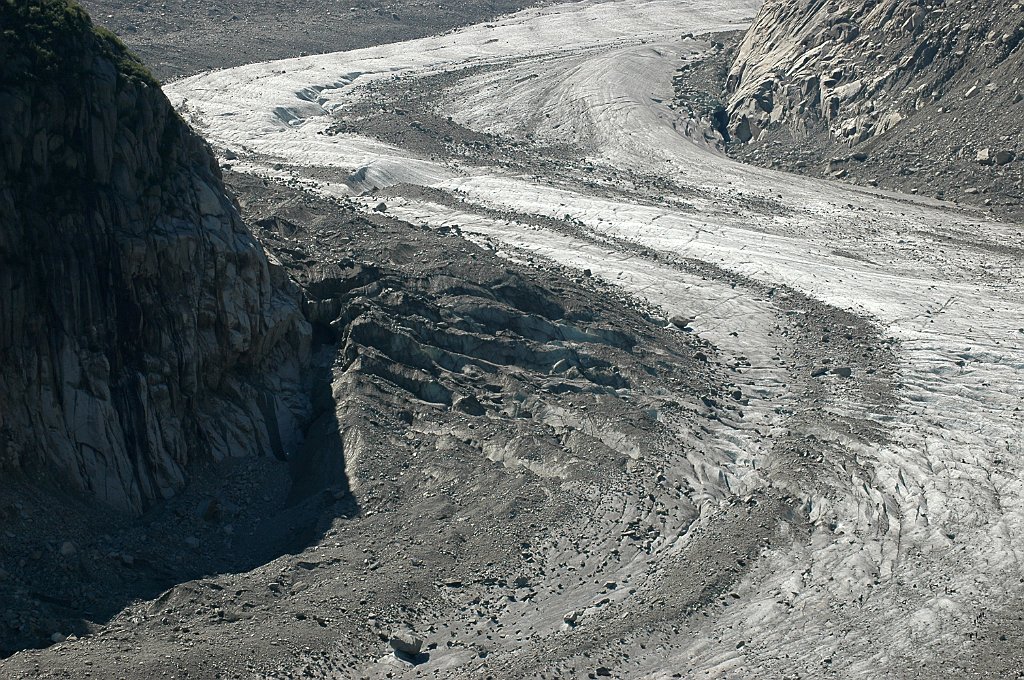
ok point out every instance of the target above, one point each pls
(57, 39)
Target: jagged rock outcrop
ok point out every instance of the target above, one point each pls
(921, 96)
(142, 327)
(861, 69)
(910, 95)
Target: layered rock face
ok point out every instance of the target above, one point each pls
(858, 70)
(865, 66)
(142, 328)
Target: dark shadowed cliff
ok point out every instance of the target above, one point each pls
(142, 328)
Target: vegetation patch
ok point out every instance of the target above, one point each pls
(46, 40)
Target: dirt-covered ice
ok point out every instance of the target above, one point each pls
(905, 552)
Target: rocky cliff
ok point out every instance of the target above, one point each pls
(928, 90)
(142, 328)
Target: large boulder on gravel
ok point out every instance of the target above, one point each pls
(1003, 157)
(406, 642)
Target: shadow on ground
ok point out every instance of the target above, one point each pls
(68, 567)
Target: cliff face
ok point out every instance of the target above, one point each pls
(142, 328)
(865, 66)
(901, 79)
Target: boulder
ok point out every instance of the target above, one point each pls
(742, 131)
(406, 642)
(681, 322)
(470, 405)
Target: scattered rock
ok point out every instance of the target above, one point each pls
(406, 642)
(470, 405)
(681, 322)
(1003, 157)
(209, 509)
(573, 617)
(67, 549)
(381, 207)
(561, 366)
